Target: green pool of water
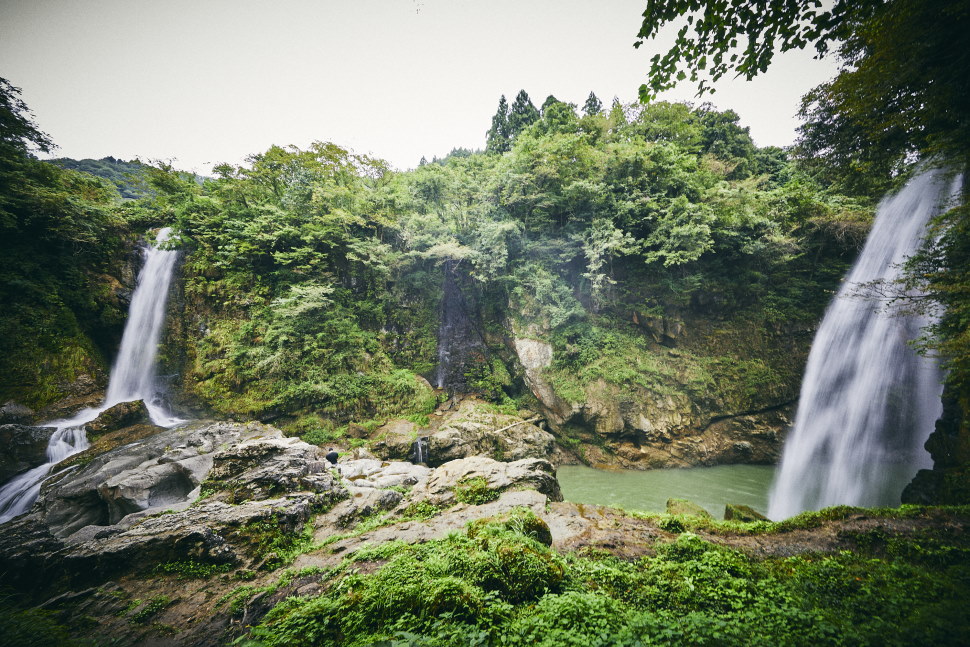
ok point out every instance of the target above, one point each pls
(648, 491)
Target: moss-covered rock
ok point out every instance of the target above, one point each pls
(687, 508)
(739, 512)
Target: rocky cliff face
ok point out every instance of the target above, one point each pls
(705, 405)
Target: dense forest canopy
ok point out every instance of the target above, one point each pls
(901, 97)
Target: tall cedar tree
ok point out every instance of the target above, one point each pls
(523, 113)
(593, 105)
(499, 137)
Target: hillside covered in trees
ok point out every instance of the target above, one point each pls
(619, 285)
(673, 269)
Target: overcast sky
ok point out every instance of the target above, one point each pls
(208, 81)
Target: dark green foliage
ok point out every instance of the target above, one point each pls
(593, 105)
(475, 491)
(192, 569)
(31, 627)
(497, 140)
(522, 114)
(494, 586)
(126, 176)
(59, 239)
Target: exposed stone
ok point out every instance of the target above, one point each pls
(475, 431)
(265, 467)
(84, 391)
(530, 473)
(14, 413)
(373, 473)
(394, 439)
(687, 508)
(22, 448)
(123, 414)
(739, 512)
(133, 477)
(535, 356)
(130, 508)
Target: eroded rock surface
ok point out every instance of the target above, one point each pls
(134, 504)
(22, 448)
(471, 428)
(529, 473)
(123, 414)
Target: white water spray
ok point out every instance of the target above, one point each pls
(868, 401)
(132, 378)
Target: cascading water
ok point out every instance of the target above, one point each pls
(868, 400)
(458, 341)
(132, 378)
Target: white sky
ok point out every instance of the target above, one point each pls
(208, 81)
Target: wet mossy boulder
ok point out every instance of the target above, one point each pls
(22, 448)
(121, 415)
(687, 509)
(738, 512)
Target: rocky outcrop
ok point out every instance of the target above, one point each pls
(123, 414)
(948, 483)
(632, 426)
(687, 508)
(85, 390)
(133, 506)
(147, 475)
(471, 429)
(739, 512)
(14, 413)
(22, 448)
(527, 474)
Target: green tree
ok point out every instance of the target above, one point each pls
(548, 103)
(522, 114)
(742, 35)
(499, 136)
(593, 105)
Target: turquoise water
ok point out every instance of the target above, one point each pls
(648, 491)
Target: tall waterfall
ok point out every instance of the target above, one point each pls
(868, 400)
(132, 378)
(459, 343)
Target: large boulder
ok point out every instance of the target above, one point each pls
(373, 473)
(687, 509)
(148, 474)
(394, 440)
(22, 448)
(14, 413)
(739, 512)
(527, 474)
(473, 430)
(141, 504)
(123, 414)
(266, 467)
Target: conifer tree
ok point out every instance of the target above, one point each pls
(498, 138)
(548, 103)
(523, 113)
(593, 105)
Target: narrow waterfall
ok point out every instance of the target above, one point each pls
(459, 343)
(868, 400)
(132, 378)
(447, 329)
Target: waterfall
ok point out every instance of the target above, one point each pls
(868, 400)
(447, 329)
(419, 451)
(132, 378)
(459, 343)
